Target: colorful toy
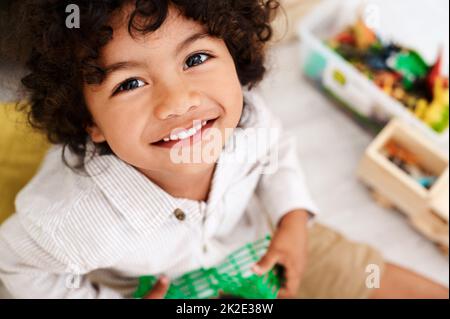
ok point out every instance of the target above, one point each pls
(364, 36)
(233, 277)
(399, 71)
(406, 172)
(435, 73)
(408, 163)
(410, 65)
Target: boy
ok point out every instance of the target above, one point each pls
(149, 99)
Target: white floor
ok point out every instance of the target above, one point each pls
(330, 146)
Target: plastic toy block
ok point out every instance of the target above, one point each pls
(233, 277)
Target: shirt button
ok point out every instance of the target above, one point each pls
(179, 214)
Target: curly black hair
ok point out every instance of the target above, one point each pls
(61, 60)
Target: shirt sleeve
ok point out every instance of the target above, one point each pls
(282, 187)
(25, 258)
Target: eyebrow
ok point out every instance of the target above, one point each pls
(191, 39)
(133, 64)
(121, 66)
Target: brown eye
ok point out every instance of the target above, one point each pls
(196, 59)
(129, 85)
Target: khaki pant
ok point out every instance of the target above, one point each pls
(336, 266)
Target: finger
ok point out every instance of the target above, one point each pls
(292, 279)
(283, 293)
(292, 286)
(266, 263)
(160, 289)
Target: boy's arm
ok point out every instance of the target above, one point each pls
(282, 188)
(290, 207)
(29, 271)
(288, 248)
(283, 193)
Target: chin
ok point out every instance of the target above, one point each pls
(191, 168)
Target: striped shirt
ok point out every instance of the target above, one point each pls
(92, 235)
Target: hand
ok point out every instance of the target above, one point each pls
(288, 248)
(160, 289)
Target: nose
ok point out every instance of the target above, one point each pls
(176, 99)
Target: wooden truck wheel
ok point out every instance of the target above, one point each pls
(382, 200)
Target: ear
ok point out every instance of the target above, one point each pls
(96, 134)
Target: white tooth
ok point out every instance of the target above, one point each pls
(166, 139)
(192, 131)
(182, 135)
(204, 123)
(187, 133)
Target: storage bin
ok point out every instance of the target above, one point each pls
(344, 82)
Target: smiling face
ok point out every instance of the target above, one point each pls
(168, 89)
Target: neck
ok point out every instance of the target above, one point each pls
(194, 186)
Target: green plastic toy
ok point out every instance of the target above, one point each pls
(233, 277)
(411, 65)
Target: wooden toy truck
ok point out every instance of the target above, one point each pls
(392, 187)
